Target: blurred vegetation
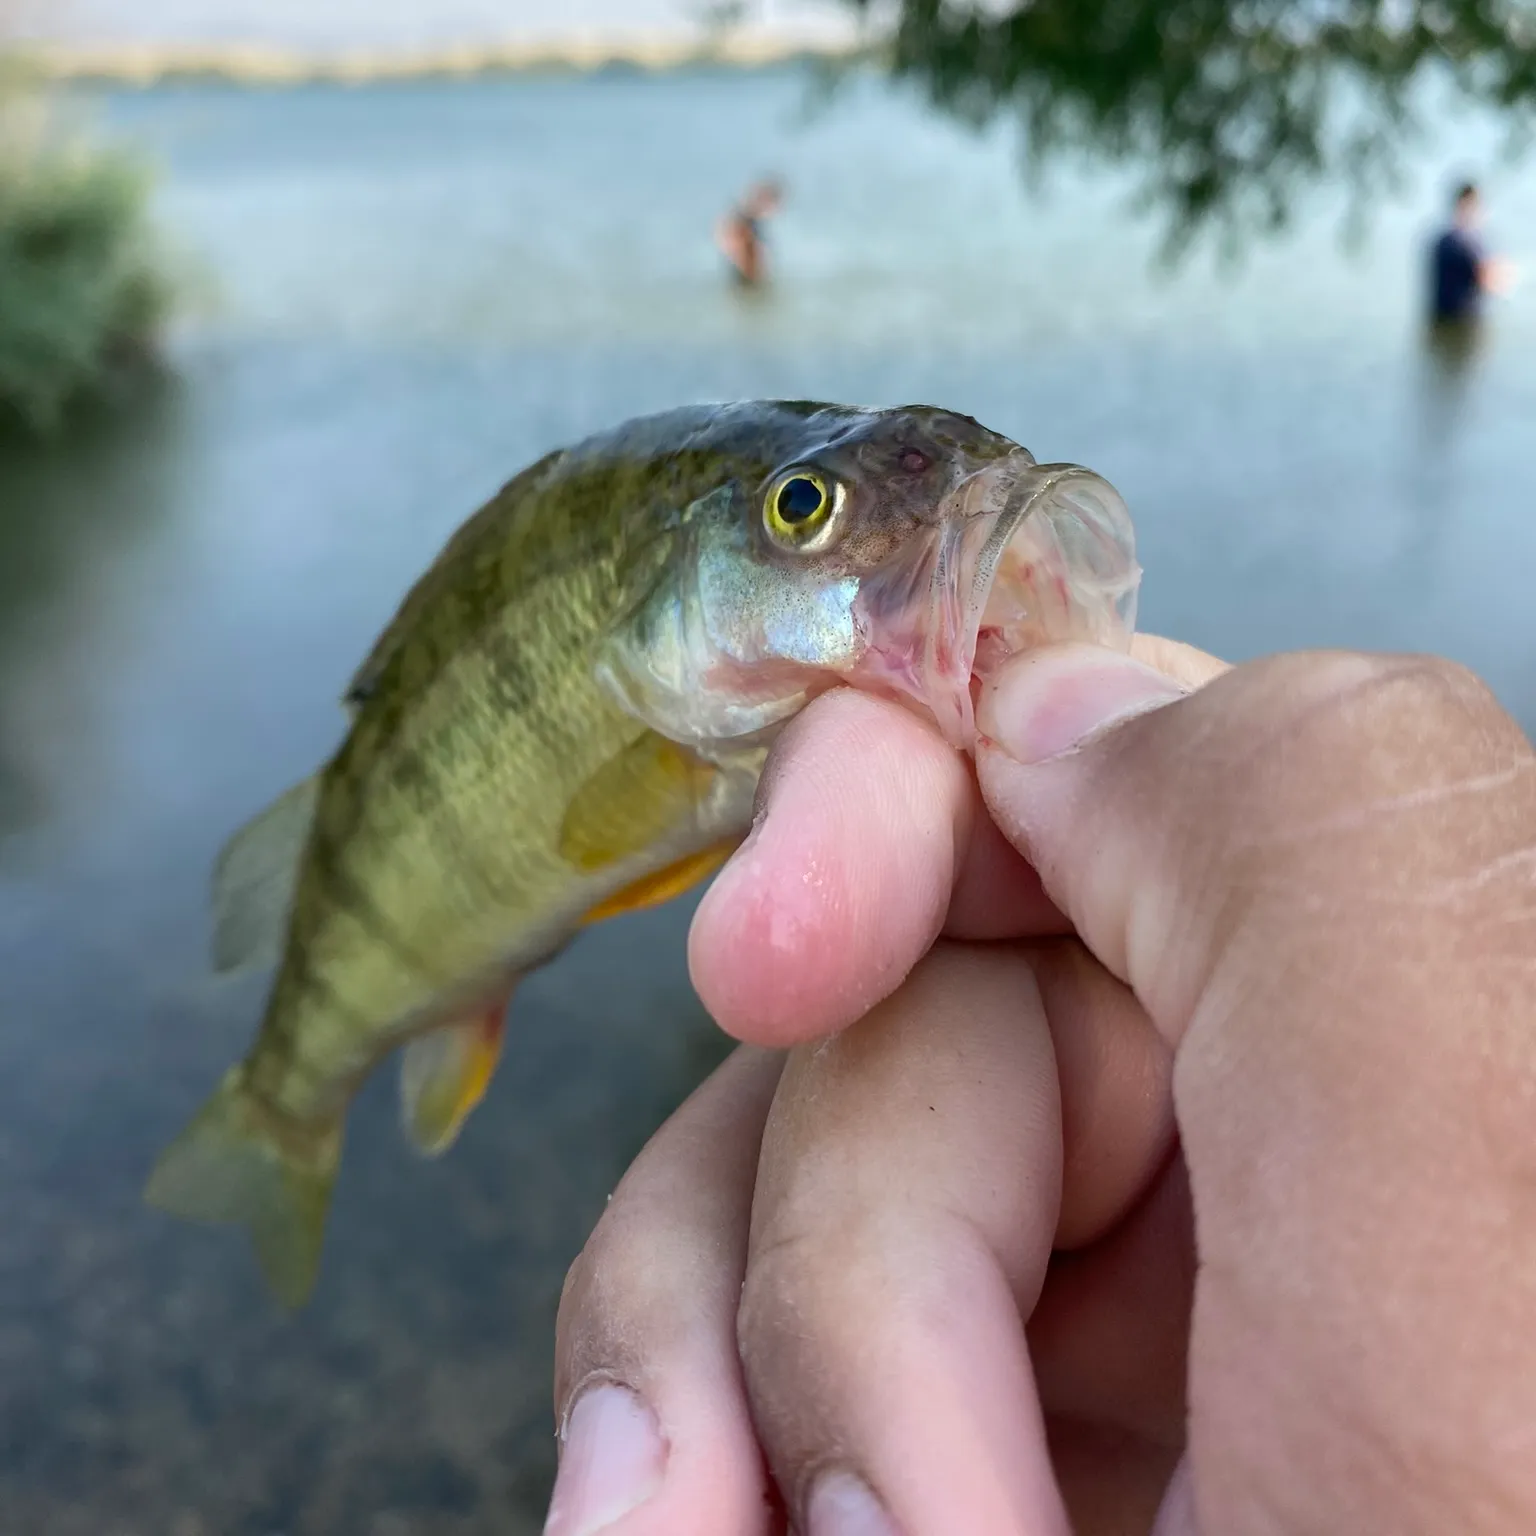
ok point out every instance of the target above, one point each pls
(1230, 107)
(81, 289)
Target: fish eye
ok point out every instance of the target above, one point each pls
(797, 505)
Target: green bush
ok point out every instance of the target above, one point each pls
(81, 291)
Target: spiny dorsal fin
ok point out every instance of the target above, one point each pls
(484, 530)
(254, 879)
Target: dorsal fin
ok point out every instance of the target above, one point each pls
(255, 876)
(465, 545)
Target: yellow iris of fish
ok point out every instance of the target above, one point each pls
(566, 720)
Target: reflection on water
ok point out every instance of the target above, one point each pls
(424, 289)
(1451, 364)
(1452, 352)
(70, 513)
(180, 617)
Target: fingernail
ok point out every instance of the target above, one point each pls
(612, 1462)
(841, 1505)
(1043, 705)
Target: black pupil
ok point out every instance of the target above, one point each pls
(799, 499)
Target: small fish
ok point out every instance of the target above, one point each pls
(566, 720)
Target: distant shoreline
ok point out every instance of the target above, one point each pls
(258, 63)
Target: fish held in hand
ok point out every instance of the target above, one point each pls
(566, 719)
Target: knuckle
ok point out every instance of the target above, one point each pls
(808, 1303)
(819, 1287)
(838, 1305)
(1309, 796)
(1418, 741)
(1353, 703)
(1305, 739)
(791, 1283)
(581, 1294)
(631, 1265)
(629, 1284)
(1441, 696)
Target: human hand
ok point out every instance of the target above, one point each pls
(936, 1272)
(1500, 275)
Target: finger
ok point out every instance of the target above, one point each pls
(1110, 1334)
(997, 893)
(1115, 1074)
(908, 1201)
(1185, 665)
(655, 1435)
(826, 906)
(1111, 1481)
(1116, 1131)
(907, 1198)
(1176, 1513)
(867, 845)
(866, 819)
(1316, 875)
(1107, 1337)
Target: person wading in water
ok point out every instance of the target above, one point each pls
(740, 233)
(1460, 270)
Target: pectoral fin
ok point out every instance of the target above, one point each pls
(444, 1074)
(634, 800)
(666, 883)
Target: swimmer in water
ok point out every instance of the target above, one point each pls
(740, 233)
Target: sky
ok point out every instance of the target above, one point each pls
(402, 23)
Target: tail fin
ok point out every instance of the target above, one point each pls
(240, 1162)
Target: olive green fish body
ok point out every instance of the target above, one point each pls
(435, 866)
(566, 718)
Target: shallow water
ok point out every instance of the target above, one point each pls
(410, 292)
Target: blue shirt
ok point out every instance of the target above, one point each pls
(1454, 286)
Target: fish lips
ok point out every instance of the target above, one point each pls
(1022, 555)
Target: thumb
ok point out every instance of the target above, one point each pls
(1047, 724)
(1316, 873)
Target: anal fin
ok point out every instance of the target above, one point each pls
(444, 1075)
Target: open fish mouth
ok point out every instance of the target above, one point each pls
(1023, 554)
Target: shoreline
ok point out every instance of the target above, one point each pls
(259, 63)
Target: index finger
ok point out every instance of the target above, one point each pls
(870, 842)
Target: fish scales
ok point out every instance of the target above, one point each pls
(544, 570)
(412, 783)
(566, 718)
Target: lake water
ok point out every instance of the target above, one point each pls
(404, 294)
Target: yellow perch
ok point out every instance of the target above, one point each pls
(566, 719)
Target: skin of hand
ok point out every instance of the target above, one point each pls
(1139, 1131)
(1498, 275)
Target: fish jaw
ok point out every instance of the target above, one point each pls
(1022, 555)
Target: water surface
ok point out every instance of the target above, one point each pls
(409, 292)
